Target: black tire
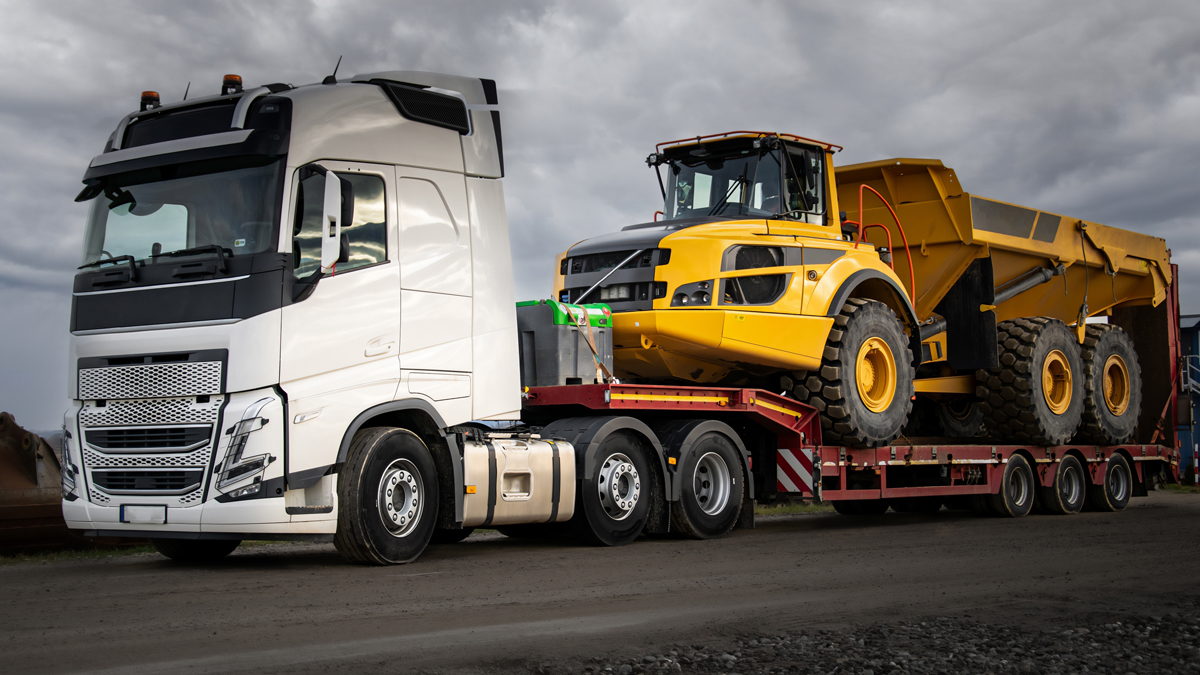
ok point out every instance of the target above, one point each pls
(611, 506)
(1069, 491)
(1017, 489)
(917, 505)
(1016, 405)
(710, 496)
(195, 550)
(835, 391)
(861, 507)
(385, 467)
(1114, 493)
(961, 417)
(1112, 387)
(450, 536)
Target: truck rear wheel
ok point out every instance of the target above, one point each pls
(864, 388)
(710, 498)
(1114, 492)
(1036, 395)
(387, 498)
(1015, 498)
(1112, 388)
(1069, 490)
(611, 506)
(195, 550)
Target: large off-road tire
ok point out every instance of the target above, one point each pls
(710, 498)
(961, 417)
(861, 507)
(1017, 489)
(611, 507)
(864, 388)
(1067, 494)
(387, 498)
(1112, 386)
(195, 550)
(1117, 487)
(1036, 395)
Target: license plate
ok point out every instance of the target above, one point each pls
(143, 515)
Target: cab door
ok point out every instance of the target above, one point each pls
(340, 344)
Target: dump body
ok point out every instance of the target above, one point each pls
(948, 229)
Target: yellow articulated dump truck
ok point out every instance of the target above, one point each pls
(876, 293)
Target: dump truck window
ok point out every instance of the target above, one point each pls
(805, 183)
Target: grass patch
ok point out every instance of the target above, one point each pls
(73, 554)
(1188, 489)
(792, 509)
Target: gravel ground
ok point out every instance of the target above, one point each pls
(1134, 645)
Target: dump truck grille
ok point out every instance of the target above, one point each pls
(151, 380)
(162, 482)
(148, 439)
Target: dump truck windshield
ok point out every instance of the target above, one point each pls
(742, 183)
(236, 209)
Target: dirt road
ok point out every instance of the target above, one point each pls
(491, 603)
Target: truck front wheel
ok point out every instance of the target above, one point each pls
(864, 388)
(611, 506)
(710, 498)
(387, 498)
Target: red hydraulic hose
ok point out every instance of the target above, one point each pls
(912, 277)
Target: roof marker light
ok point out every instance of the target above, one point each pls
(149, 100)
(232, 84)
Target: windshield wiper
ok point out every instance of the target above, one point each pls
(121, 258)
(217, 248)
(720, 205)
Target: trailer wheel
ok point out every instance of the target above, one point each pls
(611, 506)
(1017, 487)
(1036, 395)
(1112, 389)
(710, 498)
(195, 550)
(861, 507)
(1067, 494)
(864, 388)
(450, 536)
(387, 498)
(1113, 494)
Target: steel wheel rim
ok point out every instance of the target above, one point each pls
(1116, 385)
(1118, 483)
(401, 497)
(875, 374)
(620, 486)
(711, 483)
(1056, 382)
(1019, 484)
(1070, 485)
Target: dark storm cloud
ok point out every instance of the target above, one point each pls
(1089, 109)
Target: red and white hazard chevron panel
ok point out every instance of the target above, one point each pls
(793, 470)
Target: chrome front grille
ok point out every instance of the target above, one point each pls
(149, 439)
(100, 460)
(193, 378)
(146, 412)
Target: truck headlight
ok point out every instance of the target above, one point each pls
(236, 468)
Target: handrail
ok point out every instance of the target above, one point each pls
(912, 277)
(1191, 377)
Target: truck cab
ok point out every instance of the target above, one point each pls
(267, 272)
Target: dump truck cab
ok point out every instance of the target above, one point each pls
(745, 271)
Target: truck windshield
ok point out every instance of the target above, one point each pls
(743, 183)
(177, 208)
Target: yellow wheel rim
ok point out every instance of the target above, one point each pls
(1116, 385)
(875, 372)
(1056, 382)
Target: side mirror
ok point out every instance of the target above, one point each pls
(331, 223)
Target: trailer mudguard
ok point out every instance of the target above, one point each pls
(678, 437)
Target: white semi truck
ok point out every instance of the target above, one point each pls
(296, 308)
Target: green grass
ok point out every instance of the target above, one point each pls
(1189, 489)
(72, 554)
(792, 509)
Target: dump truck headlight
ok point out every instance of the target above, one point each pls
(237, 469)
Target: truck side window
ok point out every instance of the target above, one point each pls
(367, 232)
(805, 184)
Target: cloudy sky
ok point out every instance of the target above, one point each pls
(1091, 109)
